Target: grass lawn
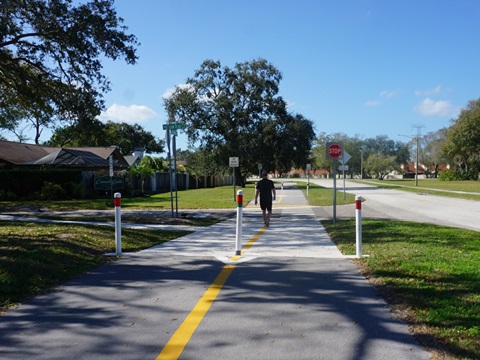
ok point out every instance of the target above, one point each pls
(36, 256)
(320, 196)
(431, 274)
(222, 197)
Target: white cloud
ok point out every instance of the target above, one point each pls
(373, 103)
(429, 107)
(130, 114)
(387, 94)
(168, 93)
(436, 90)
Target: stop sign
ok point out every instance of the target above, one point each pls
(334, 151)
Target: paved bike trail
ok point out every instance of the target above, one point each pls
(290, 295)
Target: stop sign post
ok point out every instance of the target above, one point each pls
(335, 151)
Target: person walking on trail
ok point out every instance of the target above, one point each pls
(266, 190)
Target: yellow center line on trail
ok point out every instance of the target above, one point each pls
(175, 346)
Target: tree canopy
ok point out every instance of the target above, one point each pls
(238, 113)
(462, 145)
(51, 59)
(126, 136)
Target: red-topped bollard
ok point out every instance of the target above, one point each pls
(238, 237)
(118, 223)
(358, 218)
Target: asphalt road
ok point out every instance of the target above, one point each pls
(408, 206)
(290, 295)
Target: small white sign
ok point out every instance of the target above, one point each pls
(343, 167)
(309, 166)
(234, 162)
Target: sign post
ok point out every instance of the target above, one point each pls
(344, 167)
(309, 167)
(335, 152)
(110, 170)
(172, 128)
(233, 162)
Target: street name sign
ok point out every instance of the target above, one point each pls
(174, 126)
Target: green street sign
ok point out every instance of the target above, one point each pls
(174, 126)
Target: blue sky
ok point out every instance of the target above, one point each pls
(361, 67)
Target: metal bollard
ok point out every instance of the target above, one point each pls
(118, 223)
(238, 237)
(358, 217)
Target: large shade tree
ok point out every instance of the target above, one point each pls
(462, 145)
(238, 113)
(51, 55)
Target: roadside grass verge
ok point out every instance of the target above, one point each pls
(35, 257)
(321, 196)
(429, 274)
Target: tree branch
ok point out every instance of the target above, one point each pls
(17, 39)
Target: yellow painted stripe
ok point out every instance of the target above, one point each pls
(249, 244)
(280, 200)
(180, 338)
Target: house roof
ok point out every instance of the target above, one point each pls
(13, 153)
(71, 157)
(132, 159)
(20, 153)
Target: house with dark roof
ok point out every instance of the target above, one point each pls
(14, 154)
(24, 159)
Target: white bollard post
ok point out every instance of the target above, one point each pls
(358, 217)
(282, 189)
(238, 237)
(118, 223)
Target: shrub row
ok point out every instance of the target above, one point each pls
(46, 184)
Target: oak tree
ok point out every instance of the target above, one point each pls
(51, 55)
(235, 111)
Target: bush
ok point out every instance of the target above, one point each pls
(453, 175)
(74, 190)
(51, 191)
(7, 195)
(448, 175)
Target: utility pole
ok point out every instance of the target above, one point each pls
(417, 141)
(417, 138)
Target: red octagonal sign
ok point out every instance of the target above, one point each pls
(334, 151)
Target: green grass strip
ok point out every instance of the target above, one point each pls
(432, 271)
